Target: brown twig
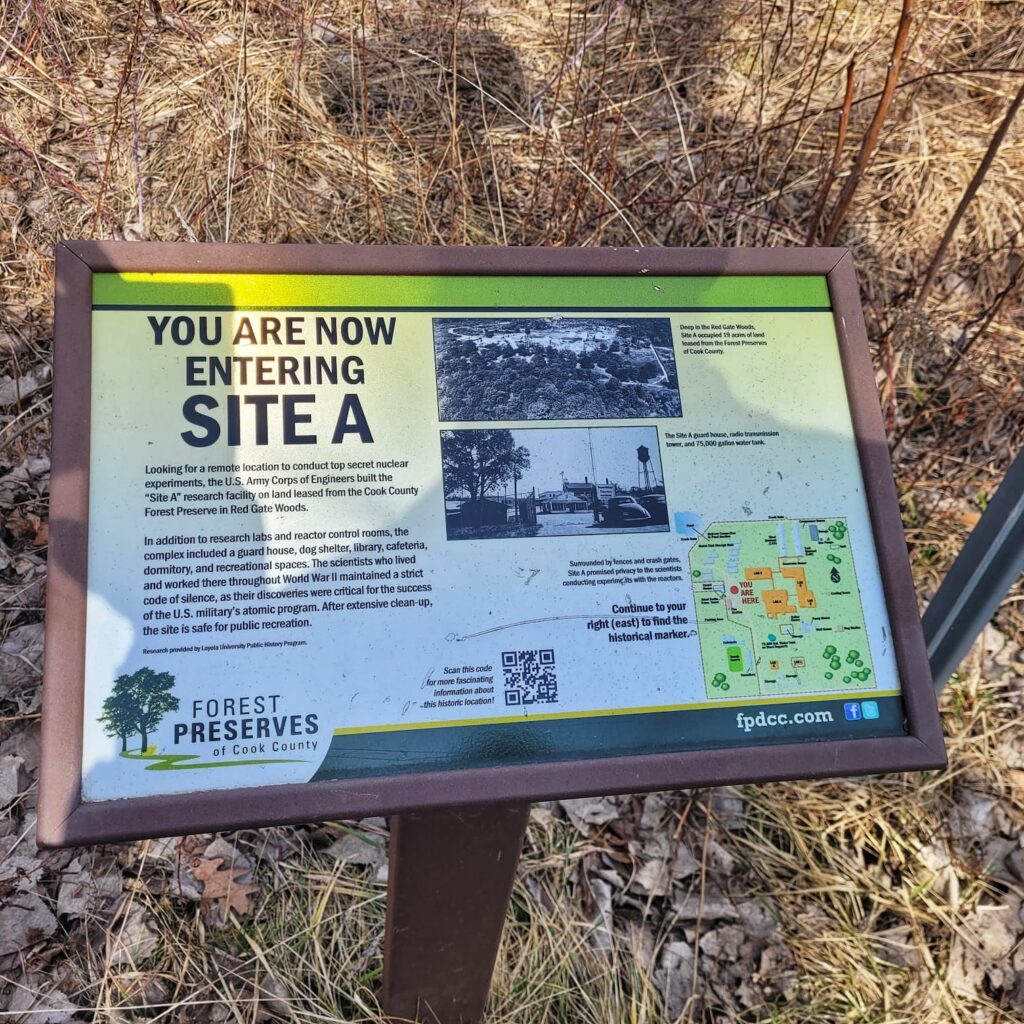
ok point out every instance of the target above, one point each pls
(50, 174)
(702, 203)
(833, 170)
(126, 70)
(820, 46)
(989, 317)
(577, 58)
(969, 194)
(136, 144)
(870, 140)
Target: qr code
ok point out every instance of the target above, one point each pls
(529, 677)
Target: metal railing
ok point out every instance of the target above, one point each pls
(979, 579)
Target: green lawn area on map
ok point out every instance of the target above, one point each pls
(778, 609)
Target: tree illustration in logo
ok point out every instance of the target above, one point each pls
(137, 704)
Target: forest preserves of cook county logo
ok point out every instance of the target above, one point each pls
(136, 706)
(140, 701)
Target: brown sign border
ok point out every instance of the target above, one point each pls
(64, 819)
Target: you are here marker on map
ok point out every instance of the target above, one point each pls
(340, 531)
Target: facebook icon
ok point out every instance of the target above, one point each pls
(852, 711)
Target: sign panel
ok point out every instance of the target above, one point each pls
(348, 526)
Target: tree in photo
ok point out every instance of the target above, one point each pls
(137, 704)
(518, 465)
(476, 461)
(118, 716)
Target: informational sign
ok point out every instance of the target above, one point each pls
(348, 525)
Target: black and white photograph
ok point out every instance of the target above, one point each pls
(555, 368)
(554, 482)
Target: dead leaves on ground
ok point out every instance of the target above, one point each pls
(29, 527)
(208, 870)
(223, 884)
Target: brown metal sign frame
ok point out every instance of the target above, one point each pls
(64, 819)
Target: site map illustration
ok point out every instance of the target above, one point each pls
(778, 608)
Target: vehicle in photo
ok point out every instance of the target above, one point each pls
(656, 506)
(624, 509)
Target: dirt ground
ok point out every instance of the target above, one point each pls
(554, 122)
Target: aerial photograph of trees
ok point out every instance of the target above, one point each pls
(550, 368)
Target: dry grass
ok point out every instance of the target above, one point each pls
(559, 123)
(556, 124)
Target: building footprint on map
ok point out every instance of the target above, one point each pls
(778, 609)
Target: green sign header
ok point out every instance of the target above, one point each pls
(752, 293)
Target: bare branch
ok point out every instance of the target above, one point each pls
(870, 141)
(969, 194)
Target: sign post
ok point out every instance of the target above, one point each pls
(286, 583)
(449, 881)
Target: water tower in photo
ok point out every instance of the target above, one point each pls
(644, 472)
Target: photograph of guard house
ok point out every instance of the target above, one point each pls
(555, 368)
(552, 482)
